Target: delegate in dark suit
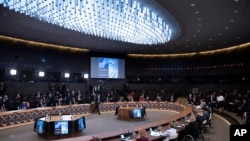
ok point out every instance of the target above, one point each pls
(97, 103)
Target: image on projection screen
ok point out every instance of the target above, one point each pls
(108, 68)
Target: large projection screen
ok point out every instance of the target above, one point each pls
(110, 68)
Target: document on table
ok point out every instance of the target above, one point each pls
(153, 133)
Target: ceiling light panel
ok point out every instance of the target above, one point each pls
(139, 22)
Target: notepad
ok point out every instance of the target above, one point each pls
(153, 133)
(178, 126)
(123, 138)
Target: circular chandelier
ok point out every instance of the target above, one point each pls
(133, 21)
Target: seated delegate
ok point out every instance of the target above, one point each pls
(169, 132)
(24, 105)
(142, 135)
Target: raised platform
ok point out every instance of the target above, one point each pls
(230, 116)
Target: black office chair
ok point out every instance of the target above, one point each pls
(193, 132)
(188, 137)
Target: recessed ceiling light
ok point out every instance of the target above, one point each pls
(236, 11)
(226, 28)
(232, 20)
(197, 12)
(199, 19)
(192, 5)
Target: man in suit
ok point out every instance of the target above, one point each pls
(41, 103)
(242, 108)
(97, 103)
(5, 103)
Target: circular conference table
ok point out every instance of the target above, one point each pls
(18, 117)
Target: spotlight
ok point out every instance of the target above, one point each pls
(86, 76)
(13, 72)
(66, 75)
(41, 74)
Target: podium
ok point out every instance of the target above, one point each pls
(131, 113)
(58, 127)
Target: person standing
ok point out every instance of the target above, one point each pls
(97, 103)
(190, 99)
(141, 98)
(41, 103)
(17, 100)
(212, 101)
(220, 100)
(5, 103)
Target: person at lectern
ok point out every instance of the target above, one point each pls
(97, 103)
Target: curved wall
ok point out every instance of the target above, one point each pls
(225, 71)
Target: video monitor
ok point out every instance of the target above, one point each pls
(39, 126)
(61, 128)
(80, 124)
(136, 113)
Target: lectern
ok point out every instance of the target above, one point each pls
(59, 126)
